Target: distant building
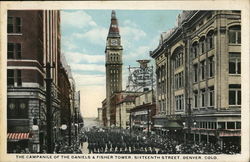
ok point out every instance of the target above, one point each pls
(143, 112)
(198, 67)
(123, 106)
(104, 112)
(99, 115)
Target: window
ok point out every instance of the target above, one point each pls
(14, 51)
(202, 45)
(17, 108)
(178, 60)
(221, 125)
(10, 26)
(18, 24)
(178, 57)
(234, 94)
(14, 76)
(195, 99)
(203, 96)
(236, 11)
(10, 51)
(19, 78)
(238, 125)
(234, 63)
(210, 40)
(176, 78)
(195, 73)
(195, 48)
(14, 25)
(230, 125)
(10, 77)
(179, 102)
(179, 80)
(211, 66)
(202, 70)
(18, 50)
(211, 97)
(234, 34)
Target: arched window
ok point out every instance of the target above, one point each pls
(195, 48)
(202, 44)
(210, 40)
(234, 34)
(178, 56)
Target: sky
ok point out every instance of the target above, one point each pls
(84, 34)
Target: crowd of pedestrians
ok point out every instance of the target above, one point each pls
(62, 146)
(111, 141)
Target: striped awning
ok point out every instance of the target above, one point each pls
(18, 136)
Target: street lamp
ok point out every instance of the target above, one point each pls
(35, 127)
(184, 124)
(195, 123)
(64, 127)
(148, 121)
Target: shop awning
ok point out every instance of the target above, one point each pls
(18, 136)
(173, 124)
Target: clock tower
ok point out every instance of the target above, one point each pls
(113, 62)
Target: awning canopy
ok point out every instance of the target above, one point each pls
(18, 136)
(173, 124)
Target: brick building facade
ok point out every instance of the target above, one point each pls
(33, 42)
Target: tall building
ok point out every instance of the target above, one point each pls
(33, 41)
(198, 71)
(113, 64)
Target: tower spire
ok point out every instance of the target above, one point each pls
(113, 16)
(114, 29)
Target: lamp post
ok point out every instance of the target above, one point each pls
(35, 129)
(63, 127)
(130, 124)
(190, 123)
(188, 118)
(120, 117)
(148, 121)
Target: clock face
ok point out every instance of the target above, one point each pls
(114, 42)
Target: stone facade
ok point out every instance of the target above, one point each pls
(198, 75)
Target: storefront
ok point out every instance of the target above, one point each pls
(18, 142)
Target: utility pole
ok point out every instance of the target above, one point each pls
(189, 118)
(49, 116)
(130, 124)
(148, 121)
(120, 118)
